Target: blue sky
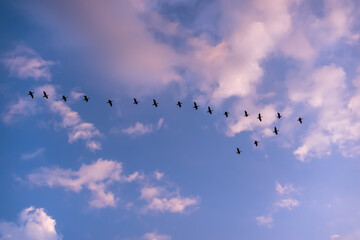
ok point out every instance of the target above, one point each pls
(77, 170)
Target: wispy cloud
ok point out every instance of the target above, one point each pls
(265, 221)
(22, 107)
(141, 129)
(96, 177)
(33, 223)
(24, 63)
(36, 153)
(155, 236)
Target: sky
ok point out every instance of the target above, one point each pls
(86, 170)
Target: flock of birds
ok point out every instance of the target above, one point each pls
(179, 104)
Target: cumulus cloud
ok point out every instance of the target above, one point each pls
(285, 189)
(265, 221)
(288, 203)
(24, 63)
(155, 236)
(96, 177)
(33, 224)
(158, 175)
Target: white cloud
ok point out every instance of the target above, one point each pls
(36, 153)
(355, 235)
(285, 189)
(71, 120)
(141, 129)
(96, 177)
(76, 95)
(25, 63)
(288, 203)
(23, 107)
(159, 199)
(33, 224)
(158, 175)
(265, 221)
(155, 236)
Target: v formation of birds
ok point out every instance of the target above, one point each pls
(179, 104)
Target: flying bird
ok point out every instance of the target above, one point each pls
(110, 102)
(31, 94)
(45, 95)
(300, 120)
(226, 114)
(276, 131)
(195, 106)
(246, 114)
(256, 143)
(86, 99)
(179, 104)
(155, 103)
(136, 101)
(278, 115)
(259, 117)
(209, 110)
(238, 151)
(64, 98)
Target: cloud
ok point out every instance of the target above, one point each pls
(355, 235)
(158, 175)
(36, 153)
(161, 200)
(284, 190)
(96, 177)
(327, 97)
(33, 224)
(265, 221)
(288, 203)
(155, 236)
(24, 63)
(71, 120)
(141, 129)
(22, 107)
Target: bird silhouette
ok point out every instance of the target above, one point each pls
(110, 102)
(209, 110)
(155, 103)
(179, 104)
(238, 151)
(246, 114)
(256, 143)
(276, 131)
(259, 117)
(278, 115)
(226, 114)
(45, 95)
(300, 120)
(136, 101)
(195, 106)
(86, 99)
(31, 94)
(64, 98)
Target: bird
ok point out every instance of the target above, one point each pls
(110, 102)
(195, 106)
(259, 117)
(246, 114)
(238, 151)
(226, 114)
(276, 131)
(136, 101)
(209, 110)
(31, 94)
(256, 143)
(86, 99)
(155, 103)
(179, 104)
(45, 95)
(300, 120)
(278, 115)
(64, 98)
